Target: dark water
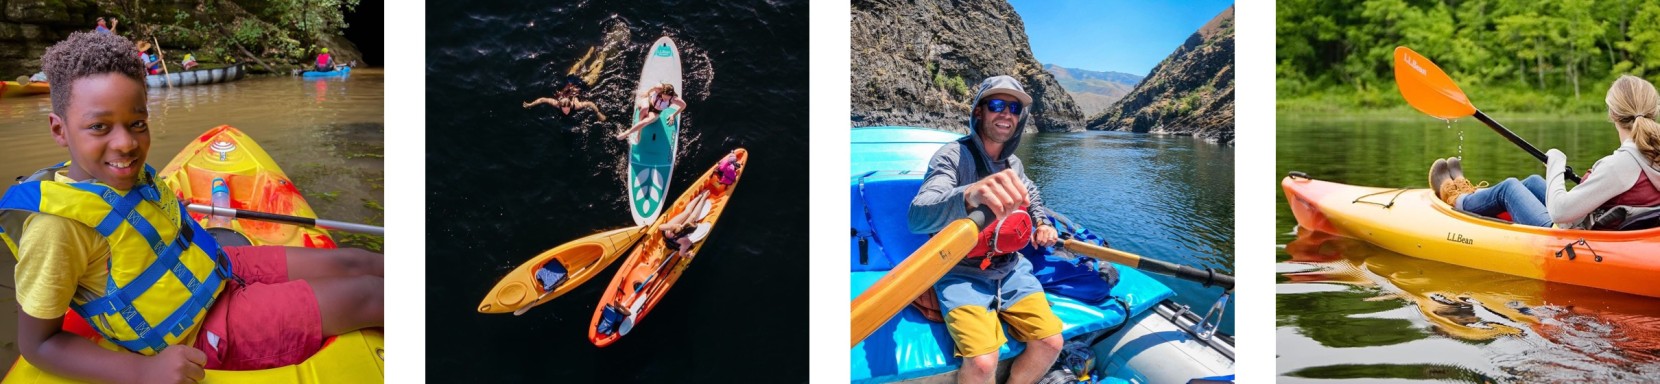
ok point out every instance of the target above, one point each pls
(505, 183)
(1350, 310)
(1162, 197)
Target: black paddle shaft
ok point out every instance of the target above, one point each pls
(1206, 276)
(1568, 170)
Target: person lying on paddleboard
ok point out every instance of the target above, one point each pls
(183, 303)
(981, 170)
(1627, 182)
(652, 102)
(569, 98)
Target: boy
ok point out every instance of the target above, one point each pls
(101, 236)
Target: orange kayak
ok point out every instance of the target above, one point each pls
(1415, 223)
(653, 268)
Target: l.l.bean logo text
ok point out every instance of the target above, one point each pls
(1459, 238)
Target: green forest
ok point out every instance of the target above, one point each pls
(1551, 57)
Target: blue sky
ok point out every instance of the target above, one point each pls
(1122, 36)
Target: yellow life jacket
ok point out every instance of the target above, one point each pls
(164, 269)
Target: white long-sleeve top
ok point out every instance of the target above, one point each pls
(1615, 174)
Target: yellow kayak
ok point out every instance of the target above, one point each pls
(565, 267)
(356, 357)
(13, 89)
(1415, 223)
(256, 183)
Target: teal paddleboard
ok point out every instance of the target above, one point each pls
(651, 159)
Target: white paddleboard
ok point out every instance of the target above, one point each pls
(651, 157)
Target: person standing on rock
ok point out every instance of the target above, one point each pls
(102, 29)
(980, 170)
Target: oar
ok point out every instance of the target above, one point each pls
(163, 59)
(1432, 92)
(286, 219)
(917, 273)
(1208, 277)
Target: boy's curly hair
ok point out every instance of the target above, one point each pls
(85, 54)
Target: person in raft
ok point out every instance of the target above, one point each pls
(652, 102)
(569, 97)
(107, 30)
(152, 63)
(980, 170)
(1620, 191)
(189, 61)
(113, 244)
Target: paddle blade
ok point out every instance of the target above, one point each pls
(1429, 89)
(910, 278)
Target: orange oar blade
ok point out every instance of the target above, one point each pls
(918, 273)
(1429, 89)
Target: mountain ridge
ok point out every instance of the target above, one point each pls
(1190, 92)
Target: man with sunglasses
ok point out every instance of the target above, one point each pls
(981, 170)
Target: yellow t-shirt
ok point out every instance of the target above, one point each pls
(59, 260)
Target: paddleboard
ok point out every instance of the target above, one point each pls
(651, 157)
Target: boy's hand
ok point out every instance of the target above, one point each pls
(174, 365)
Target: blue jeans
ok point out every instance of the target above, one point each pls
(1524, 199)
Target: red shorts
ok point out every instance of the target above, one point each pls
(271, 322)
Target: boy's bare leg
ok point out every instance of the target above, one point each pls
(350, 303)
(313, 263)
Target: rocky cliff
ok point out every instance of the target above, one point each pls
(28, 27)
(917, 62)
(1094, 91)
(1189, 93)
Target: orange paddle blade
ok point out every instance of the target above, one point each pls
(1429, 89)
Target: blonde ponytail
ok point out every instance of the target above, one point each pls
(1632, 105)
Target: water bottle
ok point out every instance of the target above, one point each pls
(221, 199)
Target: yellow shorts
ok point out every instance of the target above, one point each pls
(977, 331)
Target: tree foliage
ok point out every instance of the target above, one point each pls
(1543, 56)
(280, 30)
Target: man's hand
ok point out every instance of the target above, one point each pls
(1001, 192)
(176, 364)
(1045, 236)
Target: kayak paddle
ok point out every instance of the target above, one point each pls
(917, 273)
(1432, 92)
(1208, 277)
(286, 219)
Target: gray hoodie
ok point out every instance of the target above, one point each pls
(954, 167)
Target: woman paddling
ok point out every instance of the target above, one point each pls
(1626, 185)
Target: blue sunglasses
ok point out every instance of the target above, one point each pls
(997, 106)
